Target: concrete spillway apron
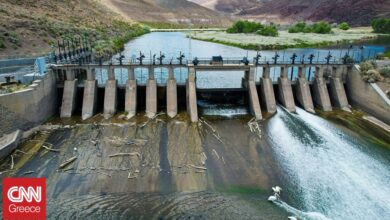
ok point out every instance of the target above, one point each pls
(151, 95)
(302, 91)
(69, 96)
(90, 95)
(320, 91)
(267, 91)
(171, 95)
(254, 101)
(131, 95)
(192, 107)
(110, 95)
(337, 91)
(285, 90)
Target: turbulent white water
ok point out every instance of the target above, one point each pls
(300, 214)
(226, 112)
(332, 172)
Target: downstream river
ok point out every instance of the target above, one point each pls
(329, 165)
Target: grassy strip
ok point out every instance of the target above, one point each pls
(287, 40)
(299, 44)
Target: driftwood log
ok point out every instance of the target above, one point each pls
(67, 162)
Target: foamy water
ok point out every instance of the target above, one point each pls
(333, 173)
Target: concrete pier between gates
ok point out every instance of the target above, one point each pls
(285, 90)
(254, 102)
(131, 95)
(192, 107)
(110, 95)
(320, 91)
(337, 91)
(69, 96)
(302, 91)
(267, 91)
(90, 95)
(171, 94)
(90, 99)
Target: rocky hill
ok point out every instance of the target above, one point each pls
(180, 12)
(32, 27)
(356, 12)
(228, 6)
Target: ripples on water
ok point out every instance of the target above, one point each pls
(331, 172)
(200, 205)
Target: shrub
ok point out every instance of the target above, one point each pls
(268, 31)
(381, 25)
(372, 76)
(344, 26)
(385, 71)
(321, 27)
(297, 28)
(244, 27)
(366, 65)
(308, 29)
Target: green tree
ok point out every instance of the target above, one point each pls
(344, 26)
(322, 27)
(270, 30)
(244, 27)
(297, 28)
(381, 25)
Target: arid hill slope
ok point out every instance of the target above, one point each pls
(169, 11)
(356, 12)
(29, 26)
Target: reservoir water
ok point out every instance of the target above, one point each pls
(172, 43)
(213, 170)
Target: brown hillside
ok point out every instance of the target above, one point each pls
(171, 11)
(29, 26)
(228, 6)
(356, 12)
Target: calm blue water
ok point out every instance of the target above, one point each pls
(172, 43)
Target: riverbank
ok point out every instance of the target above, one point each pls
(287, 40)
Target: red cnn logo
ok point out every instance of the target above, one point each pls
(24, 198)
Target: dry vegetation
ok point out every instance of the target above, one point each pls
(32, 26)
(173, 12)
(285, 39)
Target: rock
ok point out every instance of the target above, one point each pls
(122, 117)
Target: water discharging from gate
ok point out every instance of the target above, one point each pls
(329, 171)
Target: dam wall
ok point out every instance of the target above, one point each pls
(29, 107)
(367, 96)
(323, 92)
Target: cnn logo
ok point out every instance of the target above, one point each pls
(22, 194)
(24, 198)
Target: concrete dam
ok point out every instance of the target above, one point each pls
(325, 90)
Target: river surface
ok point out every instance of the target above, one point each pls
(172, 43)
(330, 165)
